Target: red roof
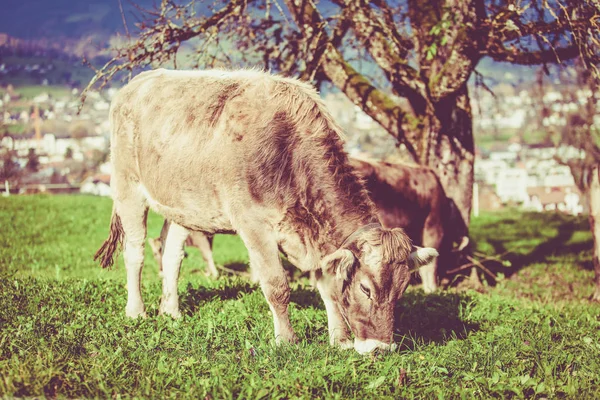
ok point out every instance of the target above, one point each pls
(551, 195)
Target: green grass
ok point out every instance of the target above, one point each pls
(548, 257)
(63, 331)
(16, 129)
(31, 91)
(486, 140)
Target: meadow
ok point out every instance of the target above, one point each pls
(528, 333)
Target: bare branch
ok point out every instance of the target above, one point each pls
(359, 90)
(402, 44)
(516, 56)
(160, 40)
(123, 18)
(367, 27)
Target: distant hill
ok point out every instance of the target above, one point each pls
(31, 19)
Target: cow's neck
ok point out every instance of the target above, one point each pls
(328, 213)
(344, 223)
(330, 205)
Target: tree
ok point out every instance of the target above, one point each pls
(33, 161)
(10, 169)
(405, 63)
(573, 121)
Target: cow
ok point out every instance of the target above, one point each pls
(406, 196)
(259, 155)
(412, 197)
(195, 239)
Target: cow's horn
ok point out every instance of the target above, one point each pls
(463, 243)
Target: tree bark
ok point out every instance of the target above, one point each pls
(594, 203)
(451, 153)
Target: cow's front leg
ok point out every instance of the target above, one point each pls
(428, 273)
(266, 266)
(173, 254)
(339, 334)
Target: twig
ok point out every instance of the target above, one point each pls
(124, 21)
(476, 263)
(496, 257)
(483, 268)
(462, 267)
(232, 271)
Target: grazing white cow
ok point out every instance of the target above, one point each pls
(259, 155)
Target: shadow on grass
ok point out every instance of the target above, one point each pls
(235, 269)
(194, 297)
(532, 238)
(420, 318)
(243, 269)
(425, 318)
(304, 298)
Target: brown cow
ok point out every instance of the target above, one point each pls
(406, 196)
(411, 197)
(195, 239)
(259, 155)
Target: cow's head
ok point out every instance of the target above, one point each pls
(371, 271)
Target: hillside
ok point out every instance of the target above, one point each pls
(64, 18)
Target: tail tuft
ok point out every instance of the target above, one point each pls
(113, 243)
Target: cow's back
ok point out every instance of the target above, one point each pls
(174, 121)
(406, 196)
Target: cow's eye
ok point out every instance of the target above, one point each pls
(365, 290)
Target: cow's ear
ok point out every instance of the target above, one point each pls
(421, 256)
(339, 263)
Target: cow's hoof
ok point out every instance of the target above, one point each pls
(174, 313)
(211, 275)
(288, 339)
(428, 289)
(168, 308)
(135, 313)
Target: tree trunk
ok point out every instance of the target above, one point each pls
(451, 154)
(594, 204)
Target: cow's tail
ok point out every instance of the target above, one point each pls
(113, 243)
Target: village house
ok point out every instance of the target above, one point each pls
(98, 185)
(47, 180)
(511, 185)
(562, 198)
(56, 145)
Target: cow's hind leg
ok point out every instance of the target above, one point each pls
(204, 243)
(266, 266)
(132, 212)
(173, 254)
